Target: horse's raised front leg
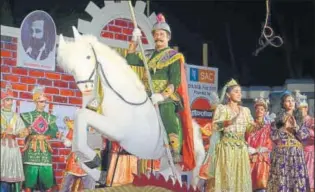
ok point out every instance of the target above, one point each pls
(83, 119)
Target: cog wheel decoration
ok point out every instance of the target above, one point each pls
(113, 25)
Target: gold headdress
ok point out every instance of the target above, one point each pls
(301, 100)
(231, 83)
(7, 92)
(38, 91)
(262, 101)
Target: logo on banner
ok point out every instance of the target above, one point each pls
(202, 75)
(201, 110)
(37, 43)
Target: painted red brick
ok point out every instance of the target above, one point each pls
(35, 73)
(13, 47)
(64, 151)
(51, 90)
(57, 144)
(121, 22)
(49, 97)
(130, 25)
(45, 82)
(67, 92)
(19, 86)
(67, 77)
(30, 87)
(144, 41)
(75, 101)
(59, 99)
(14, 39)
(78, 94)
(59, 181)
(59, 69)
(54, 166)
(55, 76)
(127, 31)
(121, 37)
(11, 62)
(58, 159)
(73, 85)
(62, 84)
(61, 166)
(114, 29)
(25, 95)
(6, 53)
(112, 22)
(107, 35)
(14, 55)
(15, 94)
(5, 69)
(19, 71)
(12, 78)
(28, 80)
(3, 84)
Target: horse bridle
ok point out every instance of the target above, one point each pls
(90, 80)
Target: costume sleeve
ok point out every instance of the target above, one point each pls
(174, 74)
(302, 133)
(220, 118)
(26, 117)
(278, 133)
(249, 120)
(53, 128)
(19, 125)
(134, 59)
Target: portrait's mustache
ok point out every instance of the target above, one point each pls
(158, 40)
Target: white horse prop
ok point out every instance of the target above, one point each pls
(128, 115)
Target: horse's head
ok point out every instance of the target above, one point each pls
(81, 56)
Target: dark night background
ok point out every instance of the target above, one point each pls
(197, 22)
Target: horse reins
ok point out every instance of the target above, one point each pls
(89, 80)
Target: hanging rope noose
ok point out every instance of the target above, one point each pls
(267, 35)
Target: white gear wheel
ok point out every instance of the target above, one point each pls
(116, 10)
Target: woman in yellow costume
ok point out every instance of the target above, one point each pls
(230, 164)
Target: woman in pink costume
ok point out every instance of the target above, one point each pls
(260, 146)
(308, 121)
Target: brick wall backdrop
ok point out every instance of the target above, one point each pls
(120, 29)
(60, 87)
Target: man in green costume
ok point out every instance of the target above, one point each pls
(169, 89)
(37, 156)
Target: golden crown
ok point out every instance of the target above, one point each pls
(232, 82)
(261, 100)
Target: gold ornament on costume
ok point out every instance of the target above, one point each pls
(301, 100)
(38, 91)
(262, 101)
(231, 83)
(174, 140)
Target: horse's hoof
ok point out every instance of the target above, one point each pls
(103, 176)
(96, 162)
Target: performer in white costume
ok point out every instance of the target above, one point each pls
(12, 127)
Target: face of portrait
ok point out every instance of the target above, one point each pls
(38, 29)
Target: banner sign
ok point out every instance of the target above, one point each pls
(37, 42)
(201, 82)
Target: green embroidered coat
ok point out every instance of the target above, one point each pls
(38, 151)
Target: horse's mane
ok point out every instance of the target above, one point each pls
(103, 52)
